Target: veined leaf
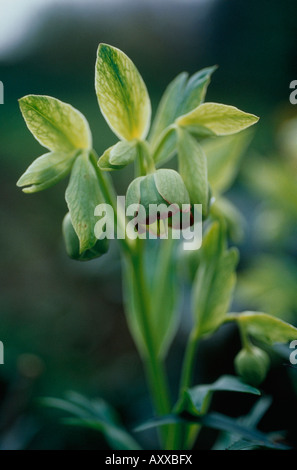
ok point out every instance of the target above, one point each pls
(122, 94)
(193, 169)
(216, 119)
(46, 171)
(181, 96)
(196, 399)
(265, 328)
(56, 125)
(119, 155)
(83, 194)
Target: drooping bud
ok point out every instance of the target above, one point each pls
(158, 196)
(72, 243)
(252, 365)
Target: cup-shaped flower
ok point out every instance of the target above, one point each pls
(156, 197)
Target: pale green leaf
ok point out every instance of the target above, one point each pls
(214, 281)
(266, 328)
(122, 94)
(216, 119)
(56, 125)
(132, 307)
(195, 89)
(168, 107)
(181, 96)
(164, 315)
(162, 276)
(46, 171)
(119, 155)
(193, 169)
(83, 194)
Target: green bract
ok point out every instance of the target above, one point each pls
(83, 194)
(181, 96)
(216, 119)
(56, 125)
(122, 94)
(72, 243)
(192, 166)
(46, 171)
(119, 155)
(264, 327)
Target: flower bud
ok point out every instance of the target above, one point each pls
(159, 195)
(72, 243)
(252, 365)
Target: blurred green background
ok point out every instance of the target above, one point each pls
(62, 322)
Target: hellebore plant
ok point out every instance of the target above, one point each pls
(188, 127)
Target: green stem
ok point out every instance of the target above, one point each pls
(134, 252)
(189, 360)
(153, 365)
(182, 430)
(111, 198)
(147, 164)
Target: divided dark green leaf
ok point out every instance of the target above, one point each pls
(95, 414)
(196, 399)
